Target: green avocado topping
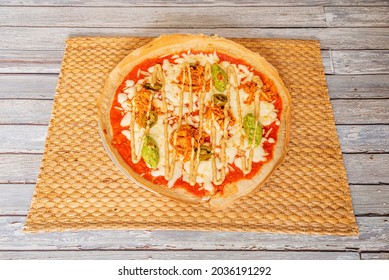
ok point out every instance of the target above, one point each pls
(219, 77)
(249, 129)
(150, 152)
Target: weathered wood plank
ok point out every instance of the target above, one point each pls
(361, 62)
(46, 38)
(163, 17)
(42, 86)
(375, 256)
(25, 111)
(361, 168)
(374, 233)
(353, 138)
(327, 62)
(22, 138)
(369, 111)
(370, 199)
(19, 168)
(33, 86)
(357, 16)
(158, 3)
(344, 62)
(364, 138)
(15, 199)
(49, 61)
(360, 86)
(364, 111)
(30, 61)
(367, 199)
(367, 168)
(181, 255)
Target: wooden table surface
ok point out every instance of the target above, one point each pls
(354, 38)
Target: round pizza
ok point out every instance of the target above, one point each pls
(199, 119)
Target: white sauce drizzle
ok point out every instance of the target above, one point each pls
(171, 157)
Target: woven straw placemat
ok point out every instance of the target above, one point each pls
(79, 187)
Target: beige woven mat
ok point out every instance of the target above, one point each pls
(79, 187)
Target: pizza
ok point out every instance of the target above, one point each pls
(196, 118)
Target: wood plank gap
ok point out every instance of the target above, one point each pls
(2, 183)
(343, 74)
(353, 153)
(375, 251)
(24, 182)
(48, 99)
(24, 153)
(29, 124)
(362, 123)
(175, 27)
(365, 98)
(13, 215)
(29, 73)
(38, 124)
(180, 3)
(173, 6)
(185, 250)
(355, 6)
(371, 215)
(354, 124)
(366, 184)
(333, 98)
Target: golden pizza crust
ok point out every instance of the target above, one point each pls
(174, 44)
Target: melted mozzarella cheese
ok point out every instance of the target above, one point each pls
(122, 97)
(176, 174)
(208, 187)
(127, 134)
(219, 135)
(231, 152)
(205, 170)
(138, 135)
(259, 154)
(130, 83)
(126, 120)
(201, 58)
(171, 72)
(166, 64)
(172, 94)
(130, 92)
(160, 171)
(267, 113)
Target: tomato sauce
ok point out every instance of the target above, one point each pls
(123, 146)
